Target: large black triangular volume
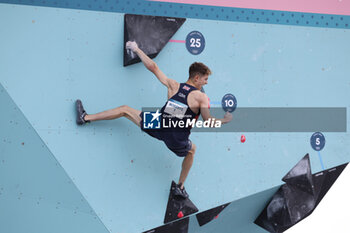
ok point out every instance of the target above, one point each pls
(151, 33)
(300, 176)
(324, 180)
(300, 204)
(180, 226)
(290, 204)
(275, 217)
(177, 205)
(209, 215)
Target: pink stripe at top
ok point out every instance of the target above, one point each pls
(338, 7)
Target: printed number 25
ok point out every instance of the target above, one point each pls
(195, 42)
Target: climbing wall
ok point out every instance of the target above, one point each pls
(111, 177)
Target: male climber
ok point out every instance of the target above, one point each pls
(185, 102)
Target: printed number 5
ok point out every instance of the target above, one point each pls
(195, 42)
(318, 141)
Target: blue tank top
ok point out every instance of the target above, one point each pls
(175, 111)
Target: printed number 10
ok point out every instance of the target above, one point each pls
(195, 42)
(229, 103)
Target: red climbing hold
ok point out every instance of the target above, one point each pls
(242, 138)
(180, 214)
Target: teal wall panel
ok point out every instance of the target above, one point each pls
(36, 195)
(159, 8)
(238, 216)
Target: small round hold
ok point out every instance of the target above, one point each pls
(243, 138)
(229, 103)
(180, 214)
(216, 217)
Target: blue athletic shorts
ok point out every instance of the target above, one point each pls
(180, 148)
